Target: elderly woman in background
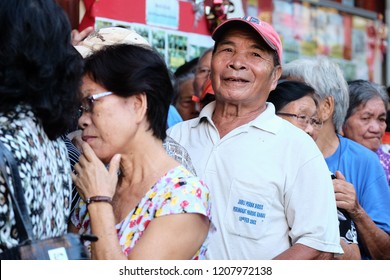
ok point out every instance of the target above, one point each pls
(365, 121)
(145, 205)
(297, 103)
(360, 186)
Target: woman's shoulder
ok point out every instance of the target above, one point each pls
(179, 182)
(179, 191)
(181, 176)
(20, 114)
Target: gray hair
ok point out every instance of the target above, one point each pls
(326, 78)
(361, 91)
(205, 52)
(177, 83)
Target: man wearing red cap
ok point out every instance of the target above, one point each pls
(272, 196)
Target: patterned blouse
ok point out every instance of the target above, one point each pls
(44, 169)
(177, 192)
(384, 157)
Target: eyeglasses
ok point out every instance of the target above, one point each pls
(304, 120)
(202, 72)
(87, 103)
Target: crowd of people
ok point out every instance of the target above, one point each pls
(234, 156)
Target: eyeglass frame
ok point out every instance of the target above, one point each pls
(303, 119)
(91, 99)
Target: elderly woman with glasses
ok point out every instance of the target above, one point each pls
(297, 103)
(145, 205)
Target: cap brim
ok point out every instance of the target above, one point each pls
(237, 22)
(83, 51)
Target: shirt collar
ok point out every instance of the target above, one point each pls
(267, 120)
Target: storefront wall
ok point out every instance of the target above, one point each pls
(180, 31)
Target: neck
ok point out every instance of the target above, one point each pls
(227, 117)
(327, 141)
(141, 168)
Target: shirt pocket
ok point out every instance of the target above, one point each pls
(249, 209)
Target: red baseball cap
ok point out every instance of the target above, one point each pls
(264, 29)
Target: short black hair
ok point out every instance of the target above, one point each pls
(289, 91)
(38, 64)
(187, 67)
(128, 70)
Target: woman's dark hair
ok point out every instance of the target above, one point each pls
(289, 91)
(38, 65)
(128, 70)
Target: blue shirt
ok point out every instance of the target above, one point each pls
(361, 167)
(173, 116)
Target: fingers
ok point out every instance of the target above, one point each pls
(340, 175)
(87, 152)
(77, 36)
(86, 32)
(345, 194)
(76, 139)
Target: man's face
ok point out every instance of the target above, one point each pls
(242, 68)
(202, 73)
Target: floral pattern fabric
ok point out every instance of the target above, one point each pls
(44, 169)
(384, 156)
(177, 192)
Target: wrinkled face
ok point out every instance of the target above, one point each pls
(107, 126)
(242, 68)
(202, 73)
(368, 124)
(184, 104)
(306, 111)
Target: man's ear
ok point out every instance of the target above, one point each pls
(327, 108)
(276, 73)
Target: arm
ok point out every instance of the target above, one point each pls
(177, 236)
(164, 238)
(375, 241)
(303, 252)
(351, 251)
(103, 226)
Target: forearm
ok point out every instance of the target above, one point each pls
(302, 252)
(351, 251)
(103, 226)
(374, 240)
